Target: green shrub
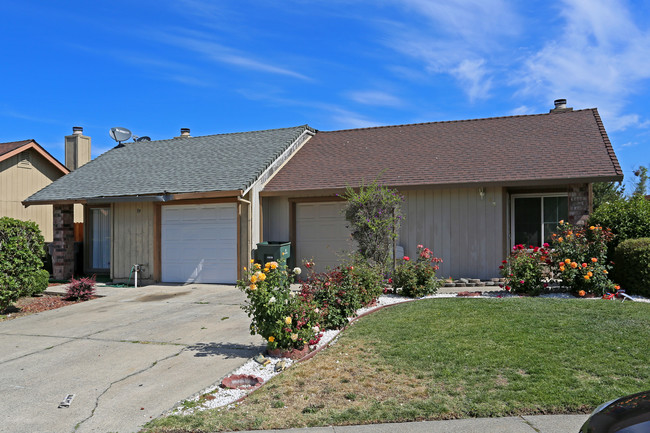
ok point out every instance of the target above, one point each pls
(39, 282)
(417, 278)
(337, 294)
(370, 277)
(374, 215)
(524, 270)
(21, 253)
(632, 265)
(627, 219)
(579, 258)
(285, 320)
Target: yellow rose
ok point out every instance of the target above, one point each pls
(253, 279)
(587, 277)
(252, 287)
(252, 260)
(257, 266)
(567, 261)
(271, 339)
(287, 320)
(262, 277)
(273, 265)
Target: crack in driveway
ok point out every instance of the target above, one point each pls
(153, 364)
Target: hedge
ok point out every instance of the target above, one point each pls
(632, 265)
(21, 260)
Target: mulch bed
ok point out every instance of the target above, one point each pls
(30, 305)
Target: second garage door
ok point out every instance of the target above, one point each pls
(321, 234)
(199, 243)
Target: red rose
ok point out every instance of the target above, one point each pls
(407, 258)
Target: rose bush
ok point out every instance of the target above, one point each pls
(286, 319)
(579, 258)
(417, 278)
(340, 292)
(524, 269)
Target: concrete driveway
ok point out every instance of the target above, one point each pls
(127, 357)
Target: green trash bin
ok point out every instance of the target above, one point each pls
(273, 251)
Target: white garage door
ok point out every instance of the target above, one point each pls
(199, 243)
(321, 234)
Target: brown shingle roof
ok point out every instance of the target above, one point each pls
(9, 149)
(528, 149)
(13, 145)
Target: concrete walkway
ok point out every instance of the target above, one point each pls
(524, 424)
(127, 357)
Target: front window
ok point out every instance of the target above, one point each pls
(100, 251)
(535, 217)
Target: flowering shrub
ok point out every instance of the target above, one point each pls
(374, 215)
(524, 269)
(81, 289)
(417, 278)
(285, 319)
(580, 258)
(340, 292)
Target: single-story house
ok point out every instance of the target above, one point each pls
(193, 209)
(25, 168)
(472, 188)
(184, 209)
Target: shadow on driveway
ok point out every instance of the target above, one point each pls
(227, 350)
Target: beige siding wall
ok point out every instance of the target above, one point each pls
(18, 180)
(133, 239)
(276, 218)
(465, 230)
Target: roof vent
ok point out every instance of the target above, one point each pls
(560, 106)
(78, 130)
(185, 132)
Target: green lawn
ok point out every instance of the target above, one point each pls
(454, 358)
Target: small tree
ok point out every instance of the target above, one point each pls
(607, 192)
(374, 215)
(641, 189)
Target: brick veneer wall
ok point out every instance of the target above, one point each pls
(580, 204)
(63, 244)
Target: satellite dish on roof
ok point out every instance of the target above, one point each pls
(120, 134)
(144, 138)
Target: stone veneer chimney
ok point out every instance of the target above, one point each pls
(77, 148)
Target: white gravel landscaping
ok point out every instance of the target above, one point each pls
(224, 396)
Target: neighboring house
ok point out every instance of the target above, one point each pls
(472, 188)
(25, 167)
(186, 209)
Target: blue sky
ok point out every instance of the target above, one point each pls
(238, 65)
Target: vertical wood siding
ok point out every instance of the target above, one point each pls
(19, 180)
(467, 232)
(275, 218)
(133, 239)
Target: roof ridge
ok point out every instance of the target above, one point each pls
(305, 126)
(608, 144)
(458, 121)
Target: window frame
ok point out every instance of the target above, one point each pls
(91, 238)
(541, 196)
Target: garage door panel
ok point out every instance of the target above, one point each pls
(322, 235)
(199, 243)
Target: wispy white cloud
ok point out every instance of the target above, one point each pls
(204, 45)
(522, 109)
(473, 75)
(376, 98)
(457, 37)
(600, 58)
